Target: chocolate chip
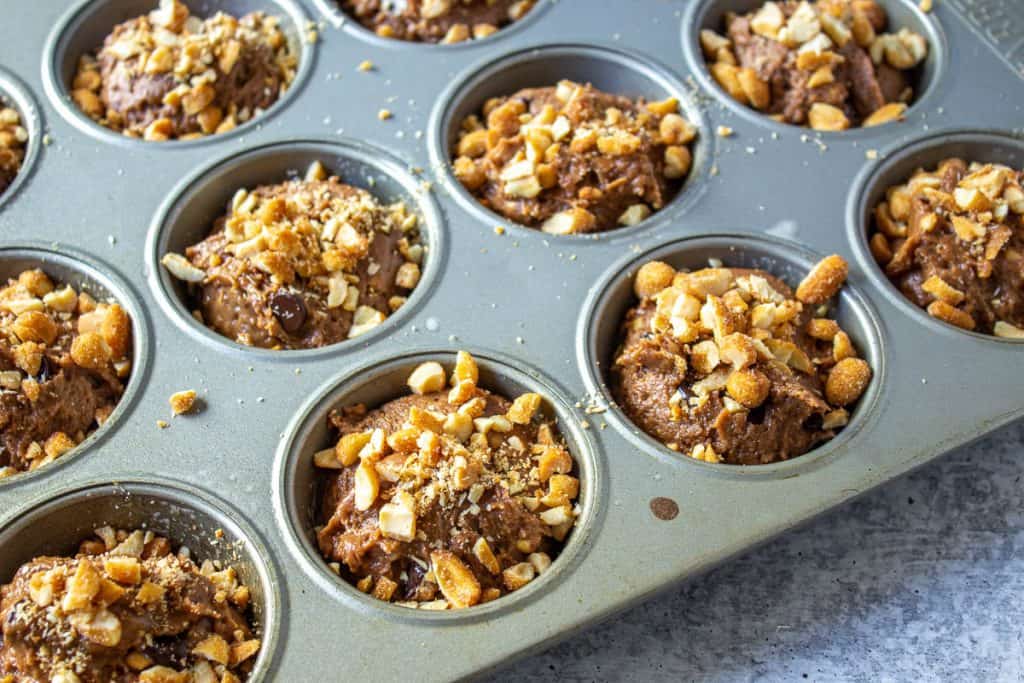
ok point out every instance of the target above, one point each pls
(813, 423)
(757, 415)
(415, 575)
(46, 371)
(289, 309)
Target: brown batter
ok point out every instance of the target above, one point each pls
(436, 21)
(573, 159)
(125, 609)
(302, 264)
(169, 75)
(726, 365)
(63, 360)
(828, 64)
(13, 138)
(952, 240)
(445, 498)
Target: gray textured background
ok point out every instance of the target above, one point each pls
(921, 581)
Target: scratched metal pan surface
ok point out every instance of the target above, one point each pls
(540, 312)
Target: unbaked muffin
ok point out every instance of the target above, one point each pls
(436, 21)
(573, 159)
(302, 264)
(952, 239)
(170, 75)
(13, 140)
(730, 366)
(829, 64)
(127, 609)
(448, 497)
(64, 358)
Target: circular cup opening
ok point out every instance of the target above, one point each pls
(186, 217)
(599, 335)
(896, 166)
(83, 29)
(14, 94)
(611, 70)
(98, 279)
(339, 18)
(296, 482)
(710, 14)
(56, 525)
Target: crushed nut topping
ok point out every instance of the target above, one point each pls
(13, 141)
(170, 75)
(302, 264)
(126, 608)
(437, 21)
(449, 497)
(952, 239)
(572, 159)
(183, 402)
(827, 64)
(728, 365)
(63, 359)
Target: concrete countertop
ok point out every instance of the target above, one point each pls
(922, 580)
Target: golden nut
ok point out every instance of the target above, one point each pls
(748, 387)
(653, 277)
(824, 281)
(90, 351)
(34, 326)
(847, 381)
(456, 581)
(826, 117)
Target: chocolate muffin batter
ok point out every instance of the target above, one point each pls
(729, 366)
(436, 21)
(63, 360)
(952, 240)
(827, 64)
(128, 610)
(169, 75)
(448, 497)
(573, 159)
(302, 264)
(13, 138)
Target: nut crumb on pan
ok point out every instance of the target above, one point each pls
(126, 608)
(827, 64)
(446, 498)
(436, 21)
(572, 159)
(951, 239)
(13, 141)
(64, 358)
(183, 401)
(302, 264)
(727, 365)
(170, 75)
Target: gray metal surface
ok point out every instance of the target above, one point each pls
(523, 301)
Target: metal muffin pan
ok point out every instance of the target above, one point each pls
(538, 311)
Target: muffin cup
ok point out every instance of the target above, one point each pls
(895, 167)
(599, 336)
(13, 94)
(611, 70)
(187, 216)
(84, 274)
(57, 524)
(927, 77)
(297, 496)
(84, 27)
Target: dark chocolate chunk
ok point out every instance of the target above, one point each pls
(290, 310)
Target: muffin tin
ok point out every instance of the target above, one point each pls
(538, 311)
